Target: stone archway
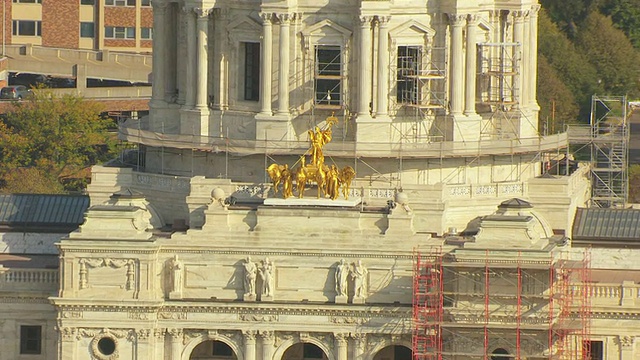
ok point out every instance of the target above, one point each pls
(394, 352)
(304, 351)
(213, 349)
(500, 354)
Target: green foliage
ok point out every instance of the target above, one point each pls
(52, 137)
(570, 66)
(616, 61)
(568, 14)
(557, 104)
(626, 17)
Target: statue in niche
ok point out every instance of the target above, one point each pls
(267, 272)
(359, 275)
(177, 269)
(250, 274)
(342, 274)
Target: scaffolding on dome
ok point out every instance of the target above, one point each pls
(493, 307)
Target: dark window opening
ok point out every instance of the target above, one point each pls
(221, 349)
(106, 346)
(328, 77)
(409, 58)
(30, 339)
(251, 71)
(311, 351)
(497, 354)
(594, 350)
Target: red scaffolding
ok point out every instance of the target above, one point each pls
(505, 289)
(427, 305)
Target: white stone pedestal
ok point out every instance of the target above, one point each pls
(249, 297)
(293, 201)
(370, 130)
(266, 298)
(273, 127)
(358, 300)
(341, 299)
(175, 295)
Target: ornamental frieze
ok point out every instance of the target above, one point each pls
(258, 317)
(348, 320)
(167, 315)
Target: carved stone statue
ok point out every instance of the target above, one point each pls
(250, 274)
(177, 269)
(267, 272)
(342, 275)
(359, 274)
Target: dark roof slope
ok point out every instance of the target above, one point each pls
(612, 227)
(38, 212)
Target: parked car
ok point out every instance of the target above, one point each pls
(28, 79)
(15, 92)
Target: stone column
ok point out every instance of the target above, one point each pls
(283, 80)
(382, 101)
(268, 339)
(341, 346)
(249, 344)
(170, 58)
(456, 70)
(364, 74)
(159, 47)
(68, 343)
(158, 337)
(176, 343)
(190, 99)
(526, 60)
(533, 54)
(203, 58)
(626, 347)
(266, 59)
(359, 346)
(144, 347)
(471, 68)
(518, 38)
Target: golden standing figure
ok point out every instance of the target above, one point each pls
(287, 182)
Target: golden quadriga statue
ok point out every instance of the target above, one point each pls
(329, 179)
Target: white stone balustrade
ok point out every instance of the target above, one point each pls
(29, 280)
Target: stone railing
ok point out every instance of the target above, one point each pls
(46, 280)
(626, 294)
(516, 189)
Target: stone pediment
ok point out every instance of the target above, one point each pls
(326, 28)
(412, 28)
(245, 24)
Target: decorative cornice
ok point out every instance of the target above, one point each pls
(310, 253)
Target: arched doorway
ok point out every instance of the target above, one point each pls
(500, 354)
(213, 349)
(394, 352)
(304, 351)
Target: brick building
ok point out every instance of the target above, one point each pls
(123, 25)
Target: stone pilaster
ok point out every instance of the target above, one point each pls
(265, 71)
(283, 80)
(533, 61)
(456, 67)
(249, 344)
(382, 102)
(170, 54)
(190, 98)
(158, 339)
(203, 58)
(341, 346)
(68, 343)
(364, 68)
(175, 345)
(159, 49)
(360, 345)
(525, 98)
(518, 32)
(626, 343)
(144, 346)
(268, 339)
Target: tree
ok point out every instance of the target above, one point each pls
(616, 61)
(568, 14)
(557, 104)
(49, 139)
(570, 65)
(626, 17)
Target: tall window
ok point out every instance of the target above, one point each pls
(595, 348)
(30, 339)
(146, 33)
(409, 58)
(119, 32)
(27, 28)
(87, 29)
(251, 71)
(328, 75)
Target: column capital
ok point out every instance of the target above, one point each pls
(519, 15)
(473, 19)
(341, 338)
(267, 336)
(457, 19)
(383, 21)
(249, 335)
(534, 10)
(284, 18)
(266, 18)
(202, 13)
(159, 333)
(176, 334)
(365, 21)
(626, 341)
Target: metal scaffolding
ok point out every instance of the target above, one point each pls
(494, 306)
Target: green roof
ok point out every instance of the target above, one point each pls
(38, 210)
(607, 226)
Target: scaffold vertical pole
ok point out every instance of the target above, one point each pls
(427, 305)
